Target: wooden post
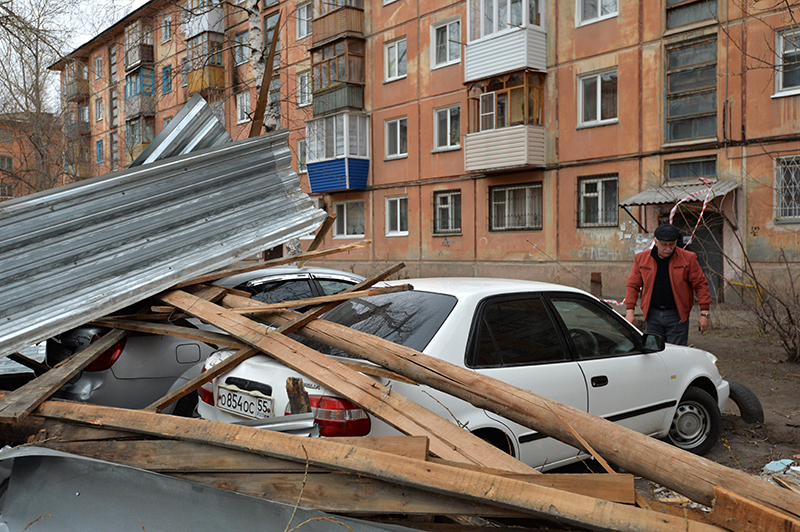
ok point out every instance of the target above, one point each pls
(596, 288)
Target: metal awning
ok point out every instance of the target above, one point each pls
(672, 194)
(79, 252)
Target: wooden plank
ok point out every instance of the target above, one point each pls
(655, 505)
(436, 478)
(61, 432)
(219, 274)
(266, 80)
(22, 402)
(37, 367)
(167, 329)
(739, 514)
(266, 308)
(447, 440)
(685, 473)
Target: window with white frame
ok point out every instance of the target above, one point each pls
(397, 216)
(303, 88)
(166, 28)
(396, 138)
(349, 219)
(447, 212)
(515, 207)
(98, 67)
(597, 98)
(488, 17)
(787, 62)
(342, 135)
(394, 60)
(243, 107)
(6, 163)
(447, 128)
(242, 52)
(184, 72)
(304, 15)
(682, 12)
(445, 43)
(787, 189)
(692, 90)
(598, 204)
(594, 10)
(302, 157)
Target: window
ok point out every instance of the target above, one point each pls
(514, 332)
(114, 108)
(447, 128)
(98, 146)
(333, 5)
(396, 138)
(394, 60)
(595, 332)
(98, 67)
(6, 191)
(303, 88)
(447, 212)
(166, 28)
(516, 207)
(205, 49)
(339, 62)
(446, 43)
(112, 63)
(242, 52)
(139, 131)
(184, 72)
(304, 17)
(83, 112)
(114, 151)
(166, 80)
(597, 98)
(787, 62)
(397, 216)
(691, 168)
(275, 101)
(511, 100)
(598, 204)
(98, 110)
(487, 17)
(270, 23)
(349, 219)
(6, 136)
(787, 189)
(6, 163)
(140, 81)
(594, 10)
(681, 12)
(301, 156)
(692, 90)
(337, 136)
(243, 107)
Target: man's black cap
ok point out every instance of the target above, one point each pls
(667, 233)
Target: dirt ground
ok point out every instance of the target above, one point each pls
(759, 363)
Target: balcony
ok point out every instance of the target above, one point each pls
(347, 173)
(210, 19)
(76, 129)
(504, 148)
(140, 105)
(210, 77)
(515, 49)
(76, 90)
(340, 98)
(344, 21)
(141, 54)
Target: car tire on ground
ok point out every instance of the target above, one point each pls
(697, 422)
(186, 406)
(749, 406)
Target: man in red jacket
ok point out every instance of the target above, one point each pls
(668, 278)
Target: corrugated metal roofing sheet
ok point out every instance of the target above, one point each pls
(81, 251)
(674, 193)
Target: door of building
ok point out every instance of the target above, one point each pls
(707, 244)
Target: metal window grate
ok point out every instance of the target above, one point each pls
(516, 207)
(787, 188)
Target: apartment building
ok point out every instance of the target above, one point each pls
(30, 154)
(501, 138)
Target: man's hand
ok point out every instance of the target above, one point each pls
(629, 316)
(703, 322)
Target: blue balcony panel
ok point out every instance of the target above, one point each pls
(338, 174)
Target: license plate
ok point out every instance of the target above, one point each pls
(254, 405)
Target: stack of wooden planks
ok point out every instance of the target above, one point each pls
(439, 469)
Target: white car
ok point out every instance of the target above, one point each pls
(556, 341)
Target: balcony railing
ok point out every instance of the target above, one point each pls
(206, 78)
(76, 90)
(138, 55)
(508, 147)
(340, 98)
(75, 129)
(140, 104)
(516, 49)
(344, 21)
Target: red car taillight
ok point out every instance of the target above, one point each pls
(206, 391)
(339, 417)
(107, 359)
